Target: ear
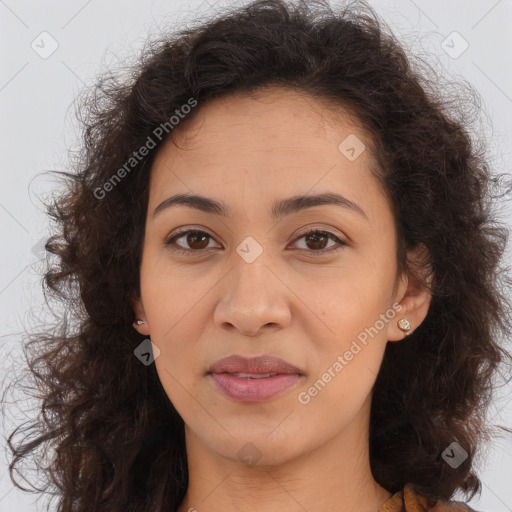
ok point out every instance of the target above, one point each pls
(413, 297)
(138, 310)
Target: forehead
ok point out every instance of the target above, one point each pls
(271, 140)
(268, 119)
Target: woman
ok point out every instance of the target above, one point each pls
(284, 268)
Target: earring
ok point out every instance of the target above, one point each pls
(140, 322)
(404, 325)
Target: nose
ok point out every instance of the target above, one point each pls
(254, 297)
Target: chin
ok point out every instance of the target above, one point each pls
(259, 449)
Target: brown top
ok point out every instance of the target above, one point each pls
(409, 500)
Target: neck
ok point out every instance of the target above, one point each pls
(335, 477)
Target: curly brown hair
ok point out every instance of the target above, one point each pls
(119, 442)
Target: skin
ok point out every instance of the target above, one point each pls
(249, 151)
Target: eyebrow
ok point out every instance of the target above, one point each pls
(279, 209)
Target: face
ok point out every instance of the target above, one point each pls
(313, 283)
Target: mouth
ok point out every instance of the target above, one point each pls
(255, 379)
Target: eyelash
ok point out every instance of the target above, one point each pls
(319, 252)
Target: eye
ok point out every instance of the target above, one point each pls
(194, 237)
(318, 239)
(198, 242)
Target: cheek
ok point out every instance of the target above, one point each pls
(354, 353)
(172, 296)
(350, 340)
(173, 307)
(350, 301)
(181, 363)
(345, 371)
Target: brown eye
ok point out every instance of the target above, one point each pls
(195, 241)
(316, 241)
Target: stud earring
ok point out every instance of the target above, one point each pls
(140, 322)
(404, 325)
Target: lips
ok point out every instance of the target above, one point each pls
(255, 379)
(260, 365)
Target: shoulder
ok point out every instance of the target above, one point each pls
(415, 501)
(411, 500)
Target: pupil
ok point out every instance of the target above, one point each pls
(315, 237)
(197, 235)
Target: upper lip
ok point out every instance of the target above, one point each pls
(255, 365)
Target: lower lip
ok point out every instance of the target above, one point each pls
(254, 390)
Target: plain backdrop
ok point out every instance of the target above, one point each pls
(51, 50)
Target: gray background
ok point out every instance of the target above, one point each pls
(37, 128)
